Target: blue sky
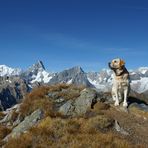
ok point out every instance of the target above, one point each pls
(66, 33)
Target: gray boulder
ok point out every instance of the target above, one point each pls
(79, 106)
(27, 123)
(68, 108)
(144, 95)
(9, 116)
(119, 129)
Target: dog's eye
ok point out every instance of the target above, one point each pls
(115, 61)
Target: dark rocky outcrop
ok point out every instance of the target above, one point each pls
(141, 97)
(12, 89)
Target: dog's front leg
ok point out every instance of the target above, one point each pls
(117, 98)
(125, 98)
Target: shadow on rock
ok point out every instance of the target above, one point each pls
(137, 103)
(135, 100)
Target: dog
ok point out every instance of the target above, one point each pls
(121, 81)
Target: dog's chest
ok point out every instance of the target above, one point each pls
(119, 72)
(122, 86)
(120, 83)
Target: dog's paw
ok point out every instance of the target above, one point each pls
(116, 103)
(125, 104)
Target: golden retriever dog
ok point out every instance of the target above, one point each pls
(121, 81)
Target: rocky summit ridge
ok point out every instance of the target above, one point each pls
(65, 115)
(37, 75)
(102, 80)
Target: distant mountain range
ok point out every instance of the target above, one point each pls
(102, 80)
(16, 81)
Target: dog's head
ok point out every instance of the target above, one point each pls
(116, 63)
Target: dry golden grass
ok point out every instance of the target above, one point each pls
(101, 106)
(2, 115)
(139, 113)
(74, 133)
(14, 116)
(91, 131)
(67, 95)
(38, 98)
(35, 100)
(59, 87)
(4, 131)
(70, 92)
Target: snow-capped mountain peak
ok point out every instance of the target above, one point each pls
(35, 68)
(37, 73)
(8, 71)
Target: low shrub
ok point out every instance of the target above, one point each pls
(35, 100)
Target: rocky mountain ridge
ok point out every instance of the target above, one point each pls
(102, 80)
(37, 75)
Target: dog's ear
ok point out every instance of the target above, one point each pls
(122, 63)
